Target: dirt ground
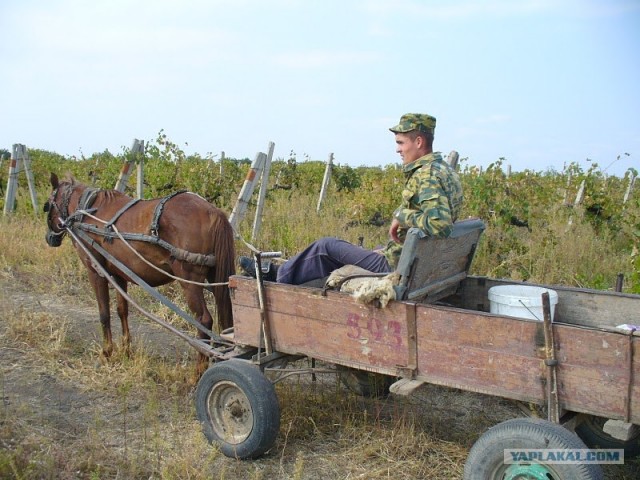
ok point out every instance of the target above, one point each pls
(52, 413)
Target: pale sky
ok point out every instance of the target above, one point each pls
(538, 82)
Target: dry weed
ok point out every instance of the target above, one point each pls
(67, 415)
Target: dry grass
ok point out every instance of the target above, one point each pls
(66, 414)
(561, 248)
(290, 222)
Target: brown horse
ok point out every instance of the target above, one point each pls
(182, 235)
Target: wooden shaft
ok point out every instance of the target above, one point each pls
(550, 362)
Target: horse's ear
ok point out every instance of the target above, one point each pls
(54, 180)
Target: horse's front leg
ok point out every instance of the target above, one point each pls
(101, 289)
(123, 313)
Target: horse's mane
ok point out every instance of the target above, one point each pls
(68, 177)
(108, 194)
(111, 194)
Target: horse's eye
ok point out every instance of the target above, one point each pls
(46, 207)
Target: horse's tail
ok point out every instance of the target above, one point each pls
(224, 251)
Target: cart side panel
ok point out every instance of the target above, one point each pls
(595, 371)
(334, 328)
(480, 352)
(598, 370)
(504, 356)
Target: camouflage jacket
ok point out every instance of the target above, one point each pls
(431, 201)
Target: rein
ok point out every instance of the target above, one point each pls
(84, 240)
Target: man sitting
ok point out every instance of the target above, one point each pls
(431, 201)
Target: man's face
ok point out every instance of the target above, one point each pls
(408, 148)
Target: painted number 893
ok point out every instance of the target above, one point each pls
(381, 331)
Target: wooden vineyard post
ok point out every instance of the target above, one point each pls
(26, 160)
(579, 198)
(4, 156)
(264, 183)
(632, 181)
(580, 194)
(19, 161)
(140, 167)
(125, 173)
(453, 158)
(240, 207)
(137, 153)
(12, 183)
(325, 181)
(565, 200)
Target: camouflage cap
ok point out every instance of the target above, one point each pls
(415, 121)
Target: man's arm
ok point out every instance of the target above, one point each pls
(431, 213)
(393, 230)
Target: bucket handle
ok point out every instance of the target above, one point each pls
(534, 315)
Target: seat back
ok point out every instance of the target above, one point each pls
(432, 268)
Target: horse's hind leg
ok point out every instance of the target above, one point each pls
(101, 289)
(123, 313)
(195, 299)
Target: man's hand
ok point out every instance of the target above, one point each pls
(393, 230)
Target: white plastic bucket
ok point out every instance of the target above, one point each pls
(524, 301)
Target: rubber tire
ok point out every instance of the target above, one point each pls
(486, 458)
(590, 430)
(366, 384)
(246, 422)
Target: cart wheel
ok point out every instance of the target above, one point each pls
(365, 384)
(238, 408)
(486, 458)
(591, 431)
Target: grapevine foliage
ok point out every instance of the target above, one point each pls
(533, 218)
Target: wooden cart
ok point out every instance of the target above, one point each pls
(583, 369)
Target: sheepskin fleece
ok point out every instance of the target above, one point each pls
(365, 289)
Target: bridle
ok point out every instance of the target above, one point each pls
(56, 232)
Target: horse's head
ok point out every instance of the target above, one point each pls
(57, 209)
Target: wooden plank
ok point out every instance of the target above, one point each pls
(634, 382)
(334, 328)
(577, 306)
(480, 352)
(593, 372)
(405, 387)
(504, 356)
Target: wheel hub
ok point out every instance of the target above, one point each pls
(532, 471)
(230, 412)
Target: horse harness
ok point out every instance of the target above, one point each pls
(88, 197)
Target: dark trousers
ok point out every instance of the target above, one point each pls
(323, 256)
